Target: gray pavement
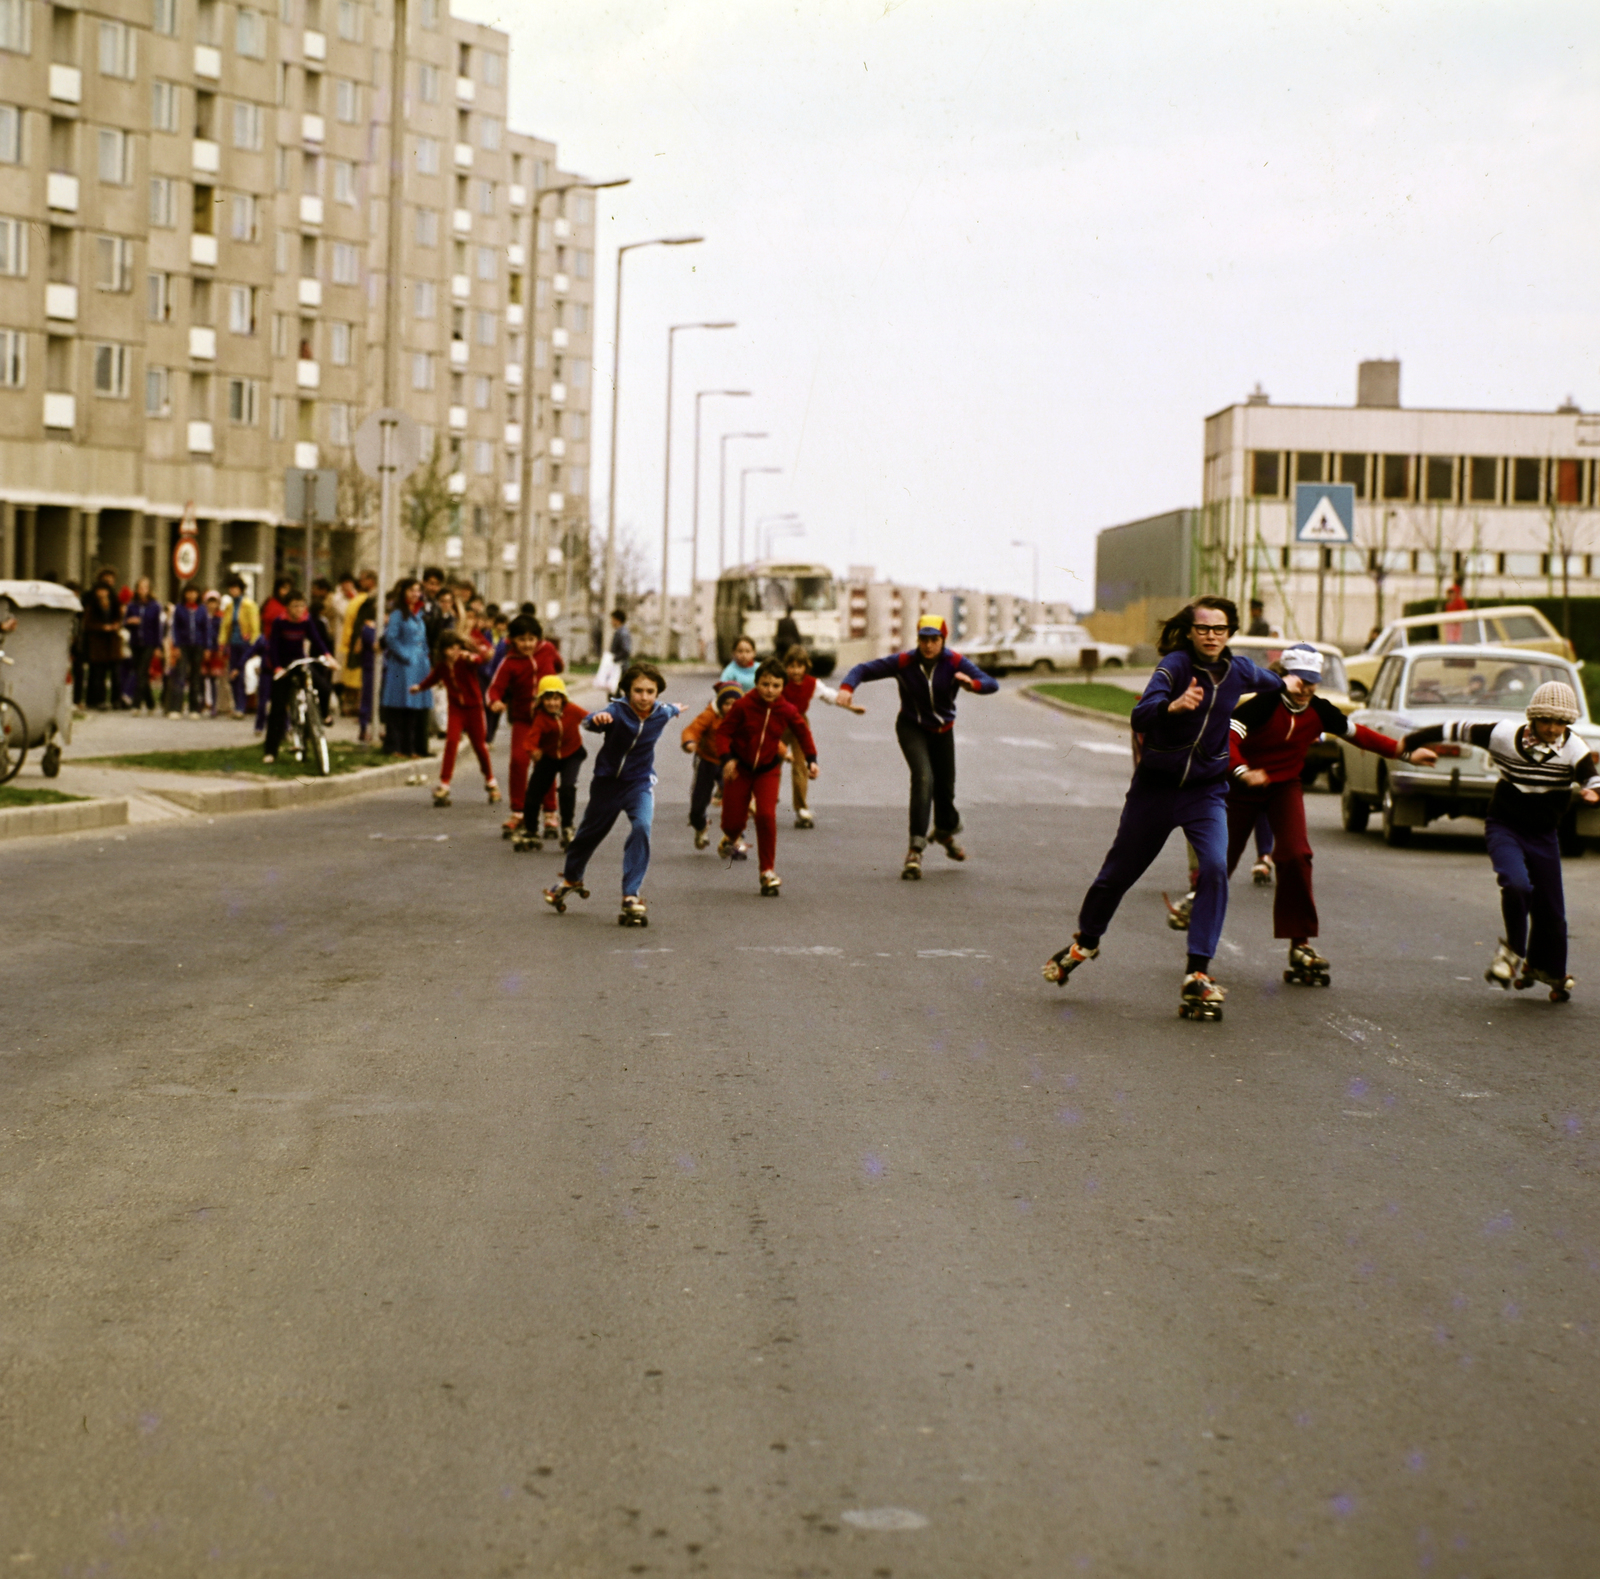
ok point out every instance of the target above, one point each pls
(363, 1218)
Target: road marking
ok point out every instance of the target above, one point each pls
(1104, 748)
(884, 1519)
(782, 948)
(951, 953)
(1027, 742)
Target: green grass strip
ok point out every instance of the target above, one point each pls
(10, 796)
(1110, 699)
(220, 761)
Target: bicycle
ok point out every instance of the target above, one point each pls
(305, 733)
(13, 733)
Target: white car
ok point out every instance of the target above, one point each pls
(1044, 649)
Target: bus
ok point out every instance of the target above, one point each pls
(751, 599)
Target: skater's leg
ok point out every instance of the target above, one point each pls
(1516, 886)
(1266, 841)
(1147, 819)
(766, 790)
(799, 780)
(543, 776)
(1205, 820)
(452, 741)
(1294, 906)
(641, 808)
(914, 748)
(736, 794)
(1245, 812)
(942, 757)
(568, 795)
(472, 724)
(605, 806)
(1547, 941)
(518, 776)
(705, 781)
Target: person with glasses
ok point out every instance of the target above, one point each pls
(1180, 781)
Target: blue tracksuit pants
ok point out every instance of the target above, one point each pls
(1149, 814)
(1528, 867)
(608, 800)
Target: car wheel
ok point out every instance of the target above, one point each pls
(1358, 692)
(1043, 666)
(1353, 812)
(1309, 772)
(1336, 776)
(1112, 663)
(1393, 835)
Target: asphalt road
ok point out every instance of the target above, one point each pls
(363, 1218)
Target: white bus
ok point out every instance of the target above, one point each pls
(751, 599)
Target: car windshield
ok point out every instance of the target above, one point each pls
(1502, 683)
(805, 594)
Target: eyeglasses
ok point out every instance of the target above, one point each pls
(1215, 630)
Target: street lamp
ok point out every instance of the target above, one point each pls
(694, 535)
(1018, 543)
(666, 484)
(527, 554)
(743, 475)
(722, 501)
(782, 526)
(610, 583)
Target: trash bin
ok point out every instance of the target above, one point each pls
(38, 678)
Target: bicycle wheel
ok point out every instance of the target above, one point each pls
(297, 723)
(13, 739)
(316, 740)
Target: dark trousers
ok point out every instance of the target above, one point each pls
(1294, 909)
(932, 760)
(102, 684)
(192, 661)
(707, 775)
(561, 774)
(236, 661)
(278, 713)
(1149, 814)
(406, 730)
(1528, 867)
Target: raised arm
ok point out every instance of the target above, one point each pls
(977, 681)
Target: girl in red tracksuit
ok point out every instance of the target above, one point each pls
(455, 667)
(515, 690)
(1268, 737)
(557, 750)
(750, 740)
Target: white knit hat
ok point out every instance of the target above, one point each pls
(1554, 700)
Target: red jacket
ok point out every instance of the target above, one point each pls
(516, 683)
(558, 736)
(460, 678)
(798, 693)
(752, 732)
(1265, 733)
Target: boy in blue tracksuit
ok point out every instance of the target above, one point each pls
(624, 782)
(1180, 781)
(930, 680)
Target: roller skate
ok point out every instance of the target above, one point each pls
(1560, 986)
(951, 848)
(732, 849)
(1178, 914)
(804, 819)
(632, 913)
(1262, 873)
(912, 870)
(1201, 998)
(441, 796)
(770, 885)
(509, 827)
(1307, 968)
(568, 834)
(556, 897)
(526, 838)
(1059, 966)
(552, 825)
(493, 790)
(1505, 968)
(701, 838)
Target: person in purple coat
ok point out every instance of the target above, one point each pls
(192, 639)
(142, 619)
(294, 635)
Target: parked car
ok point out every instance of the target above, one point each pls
(1417, 686)
(1324, 757)
(1044, 649)
(1514, 625)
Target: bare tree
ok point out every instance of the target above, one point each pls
(1571, 529)
(426, 503)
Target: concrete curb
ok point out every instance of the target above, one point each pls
(277, 795)
(1073, 708)
(77, 816)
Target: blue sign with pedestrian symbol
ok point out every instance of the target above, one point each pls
(1324, 512)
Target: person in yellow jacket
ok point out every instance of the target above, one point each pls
(350, 663)
(240, 627)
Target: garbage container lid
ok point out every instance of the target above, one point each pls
(41, 595)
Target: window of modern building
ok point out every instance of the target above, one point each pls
(344, 182)
(1396, 475)
(427, 227)
(577, 425)
(578, 373)
(427, 82)
(483, 458)
(158, 391)
(14, 25)
(241, 309)
(1439, 477)
(583, 263)
(339, 341)
(249, 33)
(1483, 479)
(244, 402)
(427, 156)
(1308, 466)
(1527, 477)
(338, 422)
(13, 358)
(247, 126)
(346, 100)
(111, 370)
(424, 299)
(278, 419)
(482, 391)
(1266, 467)
(13, 247)
(1568, 482)
(489, 133)
(164, 16)
(485, 326)
(158, 297)
(164, 103)
(428, 12)
(163, 202)
(115, 161)
(1523, 564)
(346, 264)
(422, 370)
(488, 263)
(494, 68)
(580, 325)
(113, 263)
(1353, 470)
(244, 214)
(486, 198)
(349, 21)
(118, 50)
(578, 480)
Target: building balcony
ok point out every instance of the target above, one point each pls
(513, 315)
(511, 492)
(518, 195)
(307, 374)
(557, 502)
(459, 352)
(513, 435)
(310, 210)
(460, 287)
(66, 84)
(201, 439)
(207, 156)
(60, 411)
(560, 284)
(508, 555)
(61, 303)
(558, 394)
(456, 484)
(306, 455)
(557, 449)
(517, 255)
(310, 292)
(466, 90)
(452, 550)
(463, 156)
(513, 375)
(312, 128)
(207, 61)
(314, 45)
(561, 228)
(558, 338)
(203, 251)
(457, 418)
(61, 191)
(202, 344)
(461, 221)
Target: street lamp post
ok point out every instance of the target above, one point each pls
(666, 488)
(1017, 542)
(610, 583)
(694, 532)
(722, 501)
(743, 476)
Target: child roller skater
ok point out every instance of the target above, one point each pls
(741, 667)
(1269, 737)
(557, 751)
(623, 783)
(1180, 782)
(515, 690)
(699, 736)
(800, 688)
(1538, 763)
(750, 741)
(455, 667)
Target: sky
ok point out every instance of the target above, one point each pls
(993, 261)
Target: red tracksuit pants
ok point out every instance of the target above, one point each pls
(1294, 910)
(470, 722)
(761, 784)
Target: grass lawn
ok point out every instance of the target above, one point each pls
(344, 757)
(1110, 699)
(31, 797)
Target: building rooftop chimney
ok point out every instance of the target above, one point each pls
(1378, 384)
(1568, 408)
(1258, 396)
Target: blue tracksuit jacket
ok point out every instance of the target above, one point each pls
(629, 752)
(1192, 747)
(929, 699)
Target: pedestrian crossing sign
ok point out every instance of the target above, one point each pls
(1324, 512)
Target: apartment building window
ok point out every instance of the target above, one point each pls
(483, 458)
(337, 422)
(111, 371)
(428, 83)
(286, 12)
(583, 263)
(116, 156)
(1568, 482)
(425, 299)
(428, 13)
(244, 402)
(246, 216)
(280, 251)
(279, 418)
(1353, 470)
(346, 101)
(163, 106)
(494, 69)
(577, 425)
(489, 133)
(163, 202)
(541, 294)
(164, 17)
(205, 21)
(578, 479)
(117, 49)
(280, 334)
(1483, 479)
(482, 391)
(1265, 473)
(346, 264)
(427, 227)
(13, 358)
(241, 309)
(1526, 478)
(113, 263)
(488, 263)
(582, 208)
(349, 21)
(158, 392)
(578, 373)
(344, 182)
(427, 156)
(13, 247)
(1396, 476)
(1438, 477)
(339, 344)
(422, 370)
(247, 126)
(486, 325)
(249, 33)
(158, 297)
(486, 198)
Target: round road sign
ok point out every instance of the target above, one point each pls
(185, 558)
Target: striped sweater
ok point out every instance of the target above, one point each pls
(1535, 779)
